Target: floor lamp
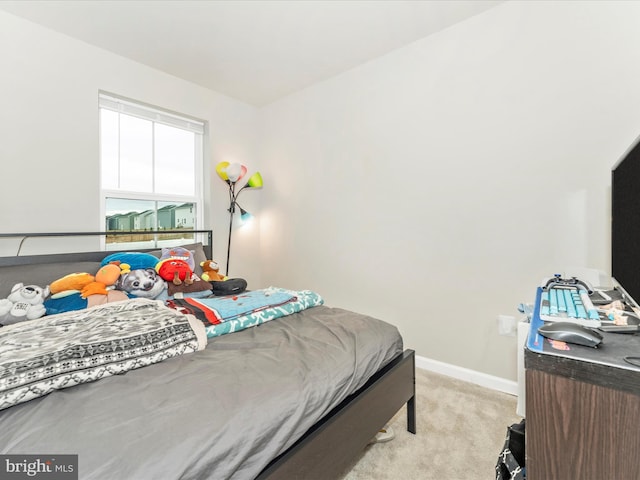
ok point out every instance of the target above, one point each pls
(232, 173)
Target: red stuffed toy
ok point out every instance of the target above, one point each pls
(175, 271)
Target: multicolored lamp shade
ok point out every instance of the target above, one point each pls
(245, 216)
(255, 181)
(221, 169)
(232, 173)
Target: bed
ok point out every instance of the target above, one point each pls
(295, 396)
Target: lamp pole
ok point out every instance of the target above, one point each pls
(232, 210)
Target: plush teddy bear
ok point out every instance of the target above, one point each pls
(210, 271)
(23, 303)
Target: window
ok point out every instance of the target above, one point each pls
(151, 168)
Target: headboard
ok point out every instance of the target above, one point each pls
(83, 252)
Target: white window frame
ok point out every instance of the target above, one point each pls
(157, 115)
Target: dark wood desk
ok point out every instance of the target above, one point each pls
(582, 410)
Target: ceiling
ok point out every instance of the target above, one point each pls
(253, 50)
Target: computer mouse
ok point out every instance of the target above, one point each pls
(570, 333)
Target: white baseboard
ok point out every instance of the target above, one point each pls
(467, 375)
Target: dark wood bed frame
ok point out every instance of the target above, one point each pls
(333, 445)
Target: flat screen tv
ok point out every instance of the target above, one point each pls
(625, 222)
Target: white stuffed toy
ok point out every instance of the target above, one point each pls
(23, 303)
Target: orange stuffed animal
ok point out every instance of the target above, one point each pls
(210, 271)
(107, 276)
(73, 281)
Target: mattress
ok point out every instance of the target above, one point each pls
(222, 413)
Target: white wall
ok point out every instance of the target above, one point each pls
(49, 135)
(436, 186)
(412, 188)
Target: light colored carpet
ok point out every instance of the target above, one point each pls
(461, 431)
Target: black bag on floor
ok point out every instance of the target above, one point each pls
(511, 464)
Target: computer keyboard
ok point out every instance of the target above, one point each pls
(568, 304)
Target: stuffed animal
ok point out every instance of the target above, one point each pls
(179, 253)
(210, 271)
(141, 282)
(176, 271)
(73, 282)
(105, 280)
(135, 260)
(23, 303)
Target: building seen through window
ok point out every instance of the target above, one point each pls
(151, 170)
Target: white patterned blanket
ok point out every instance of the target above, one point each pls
(63, 350)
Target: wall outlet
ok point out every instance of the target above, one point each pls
(507, 325)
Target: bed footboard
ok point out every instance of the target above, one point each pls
(332, 445)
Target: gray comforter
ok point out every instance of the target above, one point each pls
(220, 413)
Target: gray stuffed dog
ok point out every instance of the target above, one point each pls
(142, 282)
